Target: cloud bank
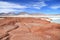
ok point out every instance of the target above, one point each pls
(39, 5)
(55, 7)
(10, 7)
(6, 7)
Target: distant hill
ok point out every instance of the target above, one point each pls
(25, 13)
(10, 13)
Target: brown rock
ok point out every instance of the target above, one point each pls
(28, 29)
(2, 33)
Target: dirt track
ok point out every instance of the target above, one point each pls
(28, 29)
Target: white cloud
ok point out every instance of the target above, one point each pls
(44, 0)
(55, 7)
(9, 7)
(9, 10)
(39, 5)
(12, 7)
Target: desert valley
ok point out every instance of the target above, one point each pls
(28, 28)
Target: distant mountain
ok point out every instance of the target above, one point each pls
(3, 13)
(10, 13)
(37, 14)
(23, 13)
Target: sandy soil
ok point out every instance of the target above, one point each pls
(28, 29)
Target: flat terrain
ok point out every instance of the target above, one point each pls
(28, 28)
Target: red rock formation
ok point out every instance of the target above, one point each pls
(28, 29)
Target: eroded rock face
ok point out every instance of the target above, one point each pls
(2, 33)
(28, 29)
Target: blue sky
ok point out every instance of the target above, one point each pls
(31, 6)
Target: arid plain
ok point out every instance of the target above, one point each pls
(28, 28)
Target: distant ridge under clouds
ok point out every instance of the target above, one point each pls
(24, 13)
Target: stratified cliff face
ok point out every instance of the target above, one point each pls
(28, 29)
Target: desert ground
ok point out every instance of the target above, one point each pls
(18, 28)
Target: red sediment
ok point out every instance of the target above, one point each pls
(28, 29)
